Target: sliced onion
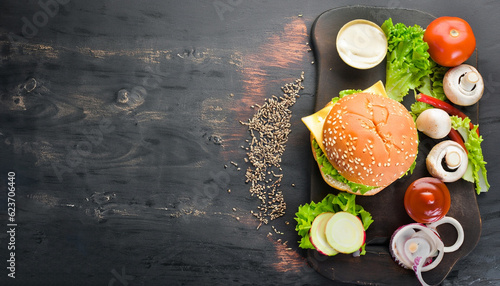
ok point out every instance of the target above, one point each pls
(398, 238)
(317, 234)
(345, 232)
(417, 268)
(417, 246)
(429, 246)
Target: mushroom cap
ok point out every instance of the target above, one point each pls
(439, 153)
(434, 122)
(463, 85)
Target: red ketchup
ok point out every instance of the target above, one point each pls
(427, 200)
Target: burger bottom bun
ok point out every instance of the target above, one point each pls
(340, 185)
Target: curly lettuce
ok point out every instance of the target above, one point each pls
(476, 169)
(328, 169)
(432, 85)
(408, 62)
(345, 92)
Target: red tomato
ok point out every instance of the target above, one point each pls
(451, 41)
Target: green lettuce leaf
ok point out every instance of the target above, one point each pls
(417, 108)
(477, 166)
(331, 203)
(345, 92)
(328, 169)
(432, 84)
(408, 61)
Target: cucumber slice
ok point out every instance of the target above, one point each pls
(345, 232)
(317, 234)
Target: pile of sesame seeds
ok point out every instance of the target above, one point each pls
(269, 129)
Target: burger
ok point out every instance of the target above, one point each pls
(363, 141)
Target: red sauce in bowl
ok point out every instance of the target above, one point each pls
(427, 200)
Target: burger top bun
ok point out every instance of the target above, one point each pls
(370, 139)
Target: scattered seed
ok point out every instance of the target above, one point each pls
(276, 231)
(229, 190)
(269, 129)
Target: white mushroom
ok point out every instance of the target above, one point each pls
(463, 85)
(434, 122)
(447, 161)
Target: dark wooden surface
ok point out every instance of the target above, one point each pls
(135, 192)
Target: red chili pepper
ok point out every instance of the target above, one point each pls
(455, 136)
(450, 109)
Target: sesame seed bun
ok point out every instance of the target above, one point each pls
(370, 140)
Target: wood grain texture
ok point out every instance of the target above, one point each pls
(118, 118)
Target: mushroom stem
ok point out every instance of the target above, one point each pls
(453, 159)
(468, 80)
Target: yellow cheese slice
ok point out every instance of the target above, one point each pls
(377, 88)
(315, 122)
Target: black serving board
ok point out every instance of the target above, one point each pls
(377, 266)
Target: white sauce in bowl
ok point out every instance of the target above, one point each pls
(361, 44)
